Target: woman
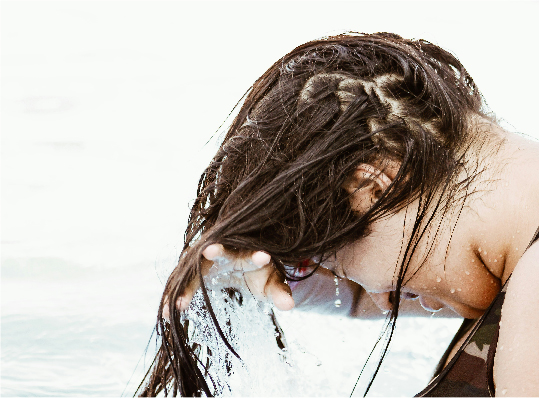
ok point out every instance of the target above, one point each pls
(374, 157)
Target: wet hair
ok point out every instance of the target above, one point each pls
(275, 184)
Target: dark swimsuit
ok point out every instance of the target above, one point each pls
(470, 372)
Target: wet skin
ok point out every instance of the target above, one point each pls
(461, 263)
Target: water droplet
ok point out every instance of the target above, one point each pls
(503, 392)
(337, 291)
(485, 252)
(452, 290)
(467, 273)
(337, 303)
(439, 279)
(214, 281)
(495, 260)
(459, 289)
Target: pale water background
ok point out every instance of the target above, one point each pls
(106, 110)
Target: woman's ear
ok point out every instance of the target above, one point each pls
(365, 186)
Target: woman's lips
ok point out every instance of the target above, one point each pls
(409, 296)
(404, 295)
(429, 304)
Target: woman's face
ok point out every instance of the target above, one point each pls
(439, 274)
(373, 262)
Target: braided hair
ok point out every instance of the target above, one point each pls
(275, 184)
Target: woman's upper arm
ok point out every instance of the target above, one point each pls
(515, 370)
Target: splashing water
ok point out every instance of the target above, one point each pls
(266, 367)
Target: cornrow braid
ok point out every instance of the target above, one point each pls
(275, 184)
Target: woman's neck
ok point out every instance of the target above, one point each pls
(480, 239)
(503, 212)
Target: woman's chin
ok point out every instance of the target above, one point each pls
(433, 305)
(430, 304)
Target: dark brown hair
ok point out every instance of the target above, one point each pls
(275, 184)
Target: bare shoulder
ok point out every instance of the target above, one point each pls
(515, 370)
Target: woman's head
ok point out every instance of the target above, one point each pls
(277, 183)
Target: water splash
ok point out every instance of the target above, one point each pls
(266, 367)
